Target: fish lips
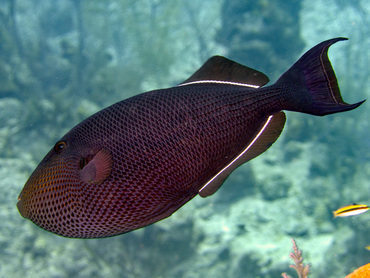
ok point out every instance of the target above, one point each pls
(20, 206)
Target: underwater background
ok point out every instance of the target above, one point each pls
(61, 61)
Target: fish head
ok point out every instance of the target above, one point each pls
(50, 196)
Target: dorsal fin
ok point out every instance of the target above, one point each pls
(218, 68)
(266, 136)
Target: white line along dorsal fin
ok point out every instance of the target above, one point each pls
(218, 69)
(219, 82)
(265, 137)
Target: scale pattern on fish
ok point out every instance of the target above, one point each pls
(139, 160)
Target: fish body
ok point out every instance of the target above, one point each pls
(350, 210)
(139, 160)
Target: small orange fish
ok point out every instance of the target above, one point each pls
(350, 210)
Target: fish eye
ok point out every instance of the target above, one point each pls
(59, 146)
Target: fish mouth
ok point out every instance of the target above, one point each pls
(21, 207)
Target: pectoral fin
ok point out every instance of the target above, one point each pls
(266, 136)
(95, 169)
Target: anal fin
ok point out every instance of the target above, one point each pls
(265, 137)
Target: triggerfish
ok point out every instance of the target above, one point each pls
(350, 210)
(138, 161)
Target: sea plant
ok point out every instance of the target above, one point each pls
(302, 270)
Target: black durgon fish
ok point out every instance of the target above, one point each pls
(139, 160)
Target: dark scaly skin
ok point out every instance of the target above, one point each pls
(165, 145)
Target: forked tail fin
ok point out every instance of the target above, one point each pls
(312, 85)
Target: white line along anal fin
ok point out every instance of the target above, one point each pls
(266, 136)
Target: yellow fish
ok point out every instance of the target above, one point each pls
(350, 210)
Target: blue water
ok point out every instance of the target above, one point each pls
(61, 61)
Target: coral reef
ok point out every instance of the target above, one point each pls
(361, 272)
(55, 71)
(268, 29)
